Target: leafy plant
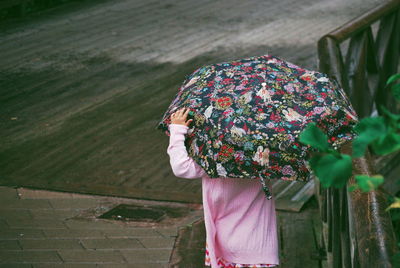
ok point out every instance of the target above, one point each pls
(331, 167)
(395, 87)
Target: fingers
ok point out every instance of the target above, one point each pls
(180, 116)
(176, 113)
(187, 123)
(186, 112)
(182, 113)
(179, 113)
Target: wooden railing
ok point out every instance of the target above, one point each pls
(357, 231)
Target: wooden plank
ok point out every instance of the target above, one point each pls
(278, 186)
(189, 248)
(304, 193)
(294, 195)
(329, 258)
(298, 247)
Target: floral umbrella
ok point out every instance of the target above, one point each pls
(248, 115)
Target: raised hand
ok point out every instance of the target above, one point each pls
(180, 116)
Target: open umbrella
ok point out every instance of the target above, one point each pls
(248, 115)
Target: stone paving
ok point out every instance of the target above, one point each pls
(54, 229)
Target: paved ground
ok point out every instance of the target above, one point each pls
(52, 229)
(83, 86)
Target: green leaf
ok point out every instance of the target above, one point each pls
(359, 145)
(396, 91)
(314, 161)
(386, 144)
(368, 129)
(367, 183)
(395, 214)
(353, 187)
(332, 170)
(395, 204)
(371, 126)
(395, 259)
(393, 117)
(314, 137)
(392, 78)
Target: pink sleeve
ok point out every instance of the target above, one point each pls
(182, 165)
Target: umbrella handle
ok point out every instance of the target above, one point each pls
(266, 189)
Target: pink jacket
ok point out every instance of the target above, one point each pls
(240, 222)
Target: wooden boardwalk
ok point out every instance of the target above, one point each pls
(83, 86)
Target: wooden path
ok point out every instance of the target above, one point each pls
(83, 86)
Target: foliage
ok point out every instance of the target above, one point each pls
(395, 87)
(396, 259)
(331, 167)
(314, 137)
(380, 132)
(366, 183)
(395, 204)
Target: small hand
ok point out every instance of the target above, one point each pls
(179, 117)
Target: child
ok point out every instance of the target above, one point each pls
(240, 222)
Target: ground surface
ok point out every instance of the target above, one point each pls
(41, 229)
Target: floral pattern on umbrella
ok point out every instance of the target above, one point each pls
(248, 115)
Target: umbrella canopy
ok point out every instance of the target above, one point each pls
(248, 115)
